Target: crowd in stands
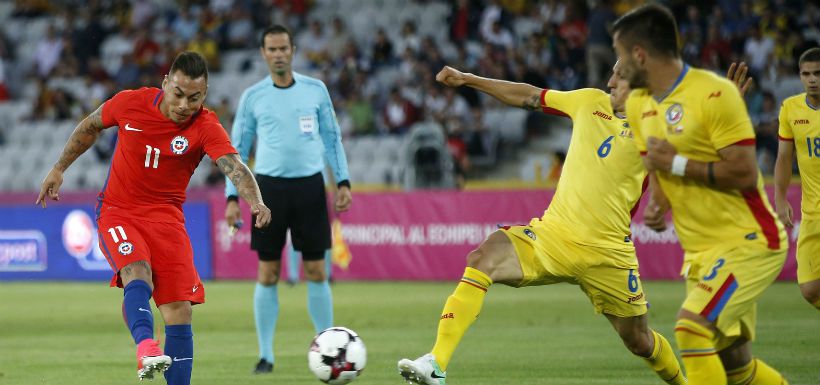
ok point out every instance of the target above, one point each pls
(92, 49)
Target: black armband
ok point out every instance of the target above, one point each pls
(232, 198)
(345, 183)
(710, 172)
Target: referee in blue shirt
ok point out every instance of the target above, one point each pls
(291, 118)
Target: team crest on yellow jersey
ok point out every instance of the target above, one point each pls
(626, 132)
(674, 114)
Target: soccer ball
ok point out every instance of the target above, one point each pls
(337, 355)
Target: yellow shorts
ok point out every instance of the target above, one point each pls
(723, 286)
(808, 251)
(609, 277)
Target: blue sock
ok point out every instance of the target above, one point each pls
(137, 310)
(266, 311)
(320, 305)
(179, 345)
(328, 262)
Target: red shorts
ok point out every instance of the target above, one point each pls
(165, 246)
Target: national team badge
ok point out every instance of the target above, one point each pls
(179, 145)
(529, 233)
(674, 114)
(125, 248)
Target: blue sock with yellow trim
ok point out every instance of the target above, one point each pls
(460, 311)
(697, 349)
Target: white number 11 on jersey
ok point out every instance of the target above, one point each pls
(148, 156)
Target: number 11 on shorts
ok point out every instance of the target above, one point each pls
(113, 233)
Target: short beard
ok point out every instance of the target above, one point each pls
(637, 79)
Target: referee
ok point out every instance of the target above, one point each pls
(292, 120)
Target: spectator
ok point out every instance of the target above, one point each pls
(553, 11)
(313, 44)
(398, 114)
(463, 19)
(145, 50)
(766, 124)
(409, 38)
(338, 39)
(455, 105)
(239, 29)
(481, 141)
(48, 52)
(4, 91)
(382, 49)
(185, 25)
(143, 13)
(716, 53)
(361, 114)
(600, 57)
(574, 32)
(458, 149)
(758, 51)
(207, 47)
(499, 36)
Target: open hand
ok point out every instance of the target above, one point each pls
(737, 74)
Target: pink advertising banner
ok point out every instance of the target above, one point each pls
(426, 235)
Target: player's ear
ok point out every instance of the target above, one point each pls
(164, 81)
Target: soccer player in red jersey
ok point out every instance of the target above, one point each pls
(163, 135)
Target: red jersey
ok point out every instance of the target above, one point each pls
(155, 158)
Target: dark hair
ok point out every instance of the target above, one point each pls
(652, 26)
(191, 64)
(275, 30)
(811, 54)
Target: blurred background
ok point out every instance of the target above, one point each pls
(403, 133)
(434, 170)
(60, 59)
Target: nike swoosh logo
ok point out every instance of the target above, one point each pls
(183, 359)
(145, 310)
(129, 128)
(434, 375)
(195, 287)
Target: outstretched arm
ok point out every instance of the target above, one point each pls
(513, 94)
(241, 177)
(83, 137)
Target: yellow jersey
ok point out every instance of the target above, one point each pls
(800, 123)
(701, 114)
(602, 176)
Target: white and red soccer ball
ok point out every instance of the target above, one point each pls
(337, 355)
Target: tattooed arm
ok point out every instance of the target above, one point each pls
(513, 94)
(241, 177)
(83, 137)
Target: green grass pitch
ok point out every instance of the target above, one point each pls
(72, 333)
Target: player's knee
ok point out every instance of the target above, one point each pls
(268, 277)
(315, 271)
(479, 259)
(177, 313)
